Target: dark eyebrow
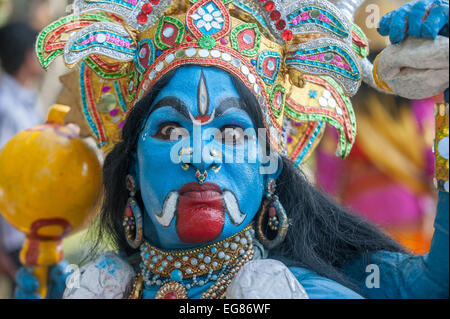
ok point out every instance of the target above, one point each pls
(228, 103)
(174, 103)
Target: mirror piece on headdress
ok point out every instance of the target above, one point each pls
(102, 38)
(268, 66)
(169, 33)
(246, 39)
(145, 55)
(107, 103)
(277, 99)
(138, 14)
(326, 56)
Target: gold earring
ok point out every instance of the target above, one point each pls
(132, 219)
(271, 215)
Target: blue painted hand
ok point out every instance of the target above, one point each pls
(27, 284)
(420, 19)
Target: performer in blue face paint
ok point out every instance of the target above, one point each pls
(205, 118)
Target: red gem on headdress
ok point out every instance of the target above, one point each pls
(189, 38)
(155, 2)
(142, 18)
(275, 15)
(287, 35)
(280, 25)
(269, 5)
(147, 8)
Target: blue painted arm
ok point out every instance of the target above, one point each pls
(27, 284)
(405, 276)
(318, 287)
(420, 19)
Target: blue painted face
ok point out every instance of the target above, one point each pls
(198, 118)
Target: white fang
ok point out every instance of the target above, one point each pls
(232, 207)
(168, 210)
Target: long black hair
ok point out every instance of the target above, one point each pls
(322, 236)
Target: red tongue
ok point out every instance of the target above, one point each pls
(200, 217)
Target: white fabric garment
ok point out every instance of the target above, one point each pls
(265, 279)
(416, 68)
(107, 277)
(111, 277)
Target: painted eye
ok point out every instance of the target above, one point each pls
(171, 132)
(230, 135)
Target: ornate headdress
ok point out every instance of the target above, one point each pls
(302, 59)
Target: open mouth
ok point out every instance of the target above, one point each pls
(200, 210)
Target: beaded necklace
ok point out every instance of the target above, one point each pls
(218, 262)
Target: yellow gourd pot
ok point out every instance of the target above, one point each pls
(50, 185)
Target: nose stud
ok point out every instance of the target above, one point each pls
(201, 176)
(215, 153)
(185, 151)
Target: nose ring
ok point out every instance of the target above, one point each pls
(216, 168)
(201, 177)
(185, 151)
(215, 153)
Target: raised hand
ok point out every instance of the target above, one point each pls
(420, 19)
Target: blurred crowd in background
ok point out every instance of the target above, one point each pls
(386, 179)
(26, 93)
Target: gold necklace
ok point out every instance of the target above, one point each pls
(227, 256)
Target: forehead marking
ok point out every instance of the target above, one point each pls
(202, 98)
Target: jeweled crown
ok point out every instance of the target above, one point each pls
(301, 59)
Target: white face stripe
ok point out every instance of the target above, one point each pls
(232, 208)
(168, 210)
(202, 97)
